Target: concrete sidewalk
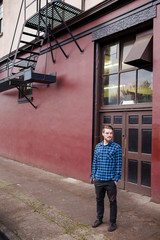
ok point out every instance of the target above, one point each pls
(39, 205)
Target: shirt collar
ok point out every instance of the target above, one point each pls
(102, 143)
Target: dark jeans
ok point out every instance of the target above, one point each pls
(101, 187)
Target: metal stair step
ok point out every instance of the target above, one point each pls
(24, 67)
(30, 43)
(32, 35)
(28, 51)
(26, 59)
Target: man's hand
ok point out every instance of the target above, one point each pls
(91, 180)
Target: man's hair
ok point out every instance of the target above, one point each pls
(107, 127)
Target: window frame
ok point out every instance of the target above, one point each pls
(121, 41)
(27, 90)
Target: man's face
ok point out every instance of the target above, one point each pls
(107, 134)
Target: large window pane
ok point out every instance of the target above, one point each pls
(111, 58)
(111, 90)
(144, 89)
(146, 141)
(132, 170)
(133, 140)
(127, 87)
(118, 136)
(146, 174)
(126, 47)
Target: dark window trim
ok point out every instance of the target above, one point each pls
(125, 22)
(100, 45)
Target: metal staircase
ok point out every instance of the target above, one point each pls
(36, 31)
(28, 51)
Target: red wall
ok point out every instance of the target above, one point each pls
(58, 135)
(155, 176)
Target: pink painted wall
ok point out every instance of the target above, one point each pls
(58, 135)
(155, 176)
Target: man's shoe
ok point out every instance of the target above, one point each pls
(97, 223)
(112, 227)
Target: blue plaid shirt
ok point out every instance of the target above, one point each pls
(107, 162)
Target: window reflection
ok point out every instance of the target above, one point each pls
(111, 89)
(127, 87)
(125, 50)
(144, 89)
(111, 58)
(123, 83)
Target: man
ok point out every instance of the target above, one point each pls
(106, 171)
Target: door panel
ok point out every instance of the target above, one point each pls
(133, 132)
(138, 152)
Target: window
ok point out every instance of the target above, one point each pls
(124, 82)
(127, 87)
(25, 91)
(1, 15)
(111, 89)
(144, 86)
(111, 58)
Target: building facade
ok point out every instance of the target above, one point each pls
(107, 72)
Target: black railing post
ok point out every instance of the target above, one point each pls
(15, 32)
(46, 27)
(68, 30)
(37, 6)
(24, 10)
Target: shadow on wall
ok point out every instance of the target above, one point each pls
(11, 93)
(64, 81)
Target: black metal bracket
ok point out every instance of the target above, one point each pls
(49, 40)
(52, 35)
(49, 32)
(21, 91)
(68, 29)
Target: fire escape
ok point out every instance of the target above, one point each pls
(36, 31)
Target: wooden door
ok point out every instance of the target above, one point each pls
(133, 132)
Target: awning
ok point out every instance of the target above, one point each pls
(141, 52)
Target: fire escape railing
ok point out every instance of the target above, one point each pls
(23, 4)
(36, 30)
